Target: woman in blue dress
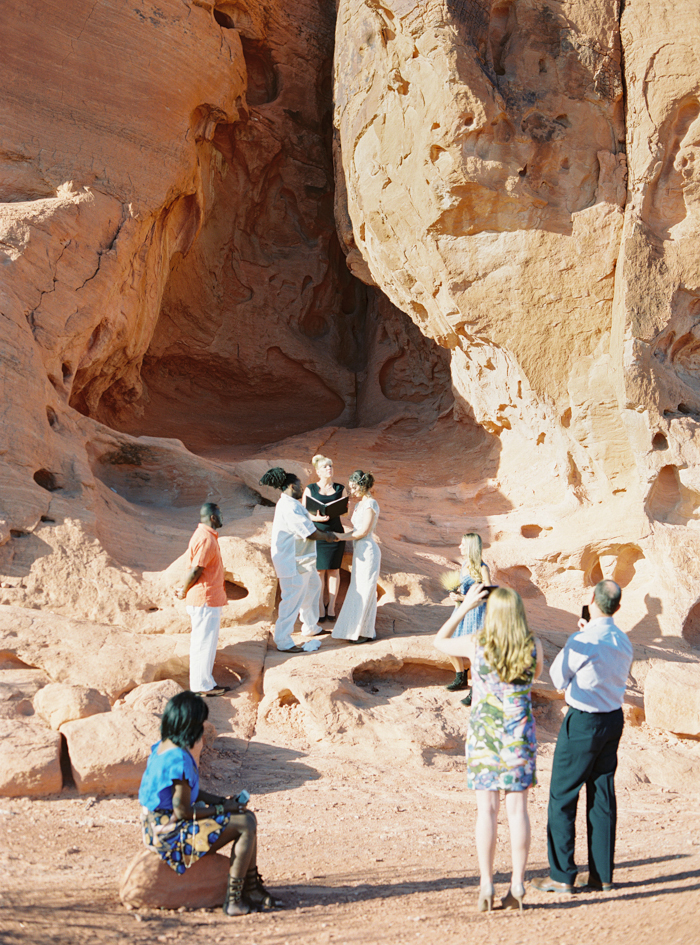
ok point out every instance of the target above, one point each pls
(501, 744)
(182, 823)
(473, 571)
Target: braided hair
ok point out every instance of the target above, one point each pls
(277, 478)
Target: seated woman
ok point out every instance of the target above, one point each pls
(501, 744)
(181, 823)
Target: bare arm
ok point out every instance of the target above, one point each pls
(485, 574)
(183, 809)
(459, 646)
(539, 659)
(192, 578)
(323, 536)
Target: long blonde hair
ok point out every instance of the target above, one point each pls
(473, 556)
(506, 637)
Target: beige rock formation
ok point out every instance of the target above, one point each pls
(497, 323)
(672, 697)
(30, 759)
(18, 687)
(108, 752)
(149, 883)
(58, 703)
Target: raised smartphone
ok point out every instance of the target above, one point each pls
(586, 613)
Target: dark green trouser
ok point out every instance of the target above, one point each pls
(586, 753)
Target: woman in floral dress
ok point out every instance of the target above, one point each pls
(501, 743)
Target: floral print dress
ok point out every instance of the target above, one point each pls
(501, 741)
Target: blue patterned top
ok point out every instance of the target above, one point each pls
(473, 620)
(175, 764)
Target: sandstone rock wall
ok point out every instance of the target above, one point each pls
(484, 148)
(452, 242)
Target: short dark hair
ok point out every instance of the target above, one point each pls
(278, 478)
(607, 595)
(207, 510)
(183, 720)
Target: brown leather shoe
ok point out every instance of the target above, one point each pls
(592, 885)
(547, 884)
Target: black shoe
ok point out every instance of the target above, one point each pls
(461, 681)
(467, 699)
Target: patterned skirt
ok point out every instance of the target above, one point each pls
(501, 743)
(180, 842)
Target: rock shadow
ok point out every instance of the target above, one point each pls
(267, 769)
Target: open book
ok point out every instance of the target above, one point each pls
(334, 509)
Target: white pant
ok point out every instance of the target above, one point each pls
(300, 597)
(205, 635)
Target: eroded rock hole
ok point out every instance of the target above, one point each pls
(287, 698)
(531, 531)
(234, 591)
(224, 20)
(47, 480)
(66, 767)
(262, 77)
(665, 494)
(691, 626)
(659, 442)
(377, 675)
(52, 417)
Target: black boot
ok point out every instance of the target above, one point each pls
(467, 699)
(459, 682)
(234, 903)
(256, 894)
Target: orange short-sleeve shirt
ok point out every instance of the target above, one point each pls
(204, 552)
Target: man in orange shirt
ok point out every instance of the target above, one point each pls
(205, 593)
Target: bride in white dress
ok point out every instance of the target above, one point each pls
(359, 612)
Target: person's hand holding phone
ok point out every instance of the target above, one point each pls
(475, 594)
(585, 617)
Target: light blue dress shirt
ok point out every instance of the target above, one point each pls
(593, 667)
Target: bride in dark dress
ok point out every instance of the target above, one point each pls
(329, 557)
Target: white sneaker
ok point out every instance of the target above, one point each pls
(311, 631)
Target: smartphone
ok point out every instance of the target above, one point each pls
(586, 613)
(488, 588)
(243, 797)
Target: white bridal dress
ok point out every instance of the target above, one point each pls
(359, 612)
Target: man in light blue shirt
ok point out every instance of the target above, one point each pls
(592, 669)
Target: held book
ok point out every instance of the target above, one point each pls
(334, 509)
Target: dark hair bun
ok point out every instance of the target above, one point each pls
(362, 479)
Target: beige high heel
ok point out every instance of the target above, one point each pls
(513, 900)
(485, 900)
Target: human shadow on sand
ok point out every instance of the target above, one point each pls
(344, 890)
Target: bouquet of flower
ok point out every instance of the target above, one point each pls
(451, 581)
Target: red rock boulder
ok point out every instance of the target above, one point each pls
(149, 881)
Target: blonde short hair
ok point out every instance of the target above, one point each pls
(320, 460)
(506, 638)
